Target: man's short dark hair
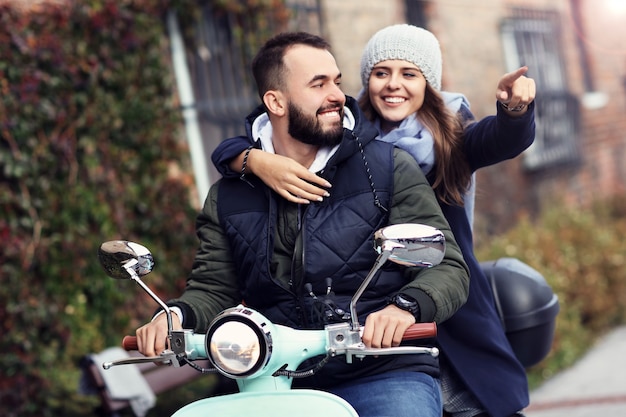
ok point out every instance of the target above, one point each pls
(268, 67)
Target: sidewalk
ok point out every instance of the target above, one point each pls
(594, 386)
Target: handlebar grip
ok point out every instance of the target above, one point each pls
(420, 331)
(130, 343)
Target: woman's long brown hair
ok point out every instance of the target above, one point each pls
(451, 175)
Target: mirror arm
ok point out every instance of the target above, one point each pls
(382, 258)
(129, 266)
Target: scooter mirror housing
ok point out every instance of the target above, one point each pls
(116, 256)
(411, 244)
(122, 259)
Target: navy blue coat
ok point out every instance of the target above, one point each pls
(473, 341)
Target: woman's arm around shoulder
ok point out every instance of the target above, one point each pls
(228, 155)
(236, 157)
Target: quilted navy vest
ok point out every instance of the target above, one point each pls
(336, 236)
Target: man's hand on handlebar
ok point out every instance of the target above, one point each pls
(385, 328)
(152, 337)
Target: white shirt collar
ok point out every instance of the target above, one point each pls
(262, 130)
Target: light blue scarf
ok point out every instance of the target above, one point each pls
(414, 138)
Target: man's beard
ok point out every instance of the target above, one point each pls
(309, 130)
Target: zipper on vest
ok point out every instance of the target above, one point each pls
(297, 282)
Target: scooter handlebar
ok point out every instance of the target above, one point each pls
(130, 343)
(416, 331)
(420, 331)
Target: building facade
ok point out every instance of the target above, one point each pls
(575, 53)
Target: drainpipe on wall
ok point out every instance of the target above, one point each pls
(187, 102)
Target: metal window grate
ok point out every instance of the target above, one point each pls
(532, 37)
(219, 60)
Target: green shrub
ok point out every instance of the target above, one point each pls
(89, 137)
(582, 255)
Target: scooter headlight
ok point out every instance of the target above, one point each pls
(237, 344)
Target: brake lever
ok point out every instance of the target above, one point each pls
(360, 351)
(167, 358)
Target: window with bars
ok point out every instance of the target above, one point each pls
(532, 38)
(218, 57)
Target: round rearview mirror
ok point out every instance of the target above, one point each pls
(115, 256)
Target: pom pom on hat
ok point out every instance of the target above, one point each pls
(405, 42)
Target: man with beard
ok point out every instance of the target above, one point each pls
(253, 243)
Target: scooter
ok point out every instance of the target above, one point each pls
(264, 357)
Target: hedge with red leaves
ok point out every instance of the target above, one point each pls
(89, 133)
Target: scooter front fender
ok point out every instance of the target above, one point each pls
(300, 402)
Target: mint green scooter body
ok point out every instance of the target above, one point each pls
(266, 395)
(297, 402)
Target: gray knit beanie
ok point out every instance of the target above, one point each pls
(406, 42)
